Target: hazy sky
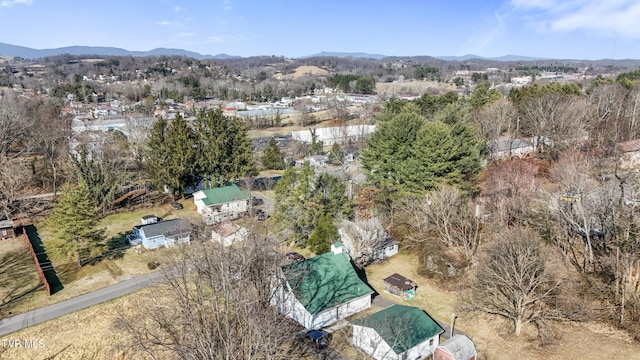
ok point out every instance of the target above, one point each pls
(576, 29)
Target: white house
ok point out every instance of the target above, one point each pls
(321, 290)
(223, 203)
(396, 333)
(163, 233)
(366, 240)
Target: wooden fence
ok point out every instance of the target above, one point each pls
(37, 262)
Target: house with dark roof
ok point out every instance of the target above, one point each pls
(397, 332)
(321, 290)
(220, 204)
(7, 229)
(165, 233)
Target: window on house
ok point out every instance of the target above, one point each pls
(373, 344)
(430, 342)
(4, 232)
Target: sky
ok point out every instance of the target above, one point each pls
(559, 29)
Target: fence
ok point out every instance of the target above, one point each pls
(38, 265)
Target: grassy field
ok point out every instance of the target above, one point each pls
(20, 288)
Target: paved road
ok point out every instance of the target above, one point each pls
(41, 315)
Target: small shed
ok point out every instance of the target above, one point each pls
(149, 219)
(458, 347)
(399, 285)
(7, 229)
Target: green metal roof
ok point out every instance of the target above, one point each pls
(402, 327)
(223, 195)
(325, 281)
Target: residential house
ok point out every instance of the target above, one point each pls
(630, 153)
(458, 347)
(333, 134)
(321, 290)
(7, 229)
(317, 160)
(505, 148)
(367, 241)
(163, 233)
(399, 285)
(226, 233)
(220, 204)
(397, 332)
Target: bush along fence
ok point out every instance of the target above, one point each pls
(38, 265)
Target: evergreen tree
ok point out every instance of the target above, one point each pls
(324, 234)
(411, 155)
(157, 155)
(73, 221)
(303, 198)
(181, 146)
(272, 157)
(224, 148)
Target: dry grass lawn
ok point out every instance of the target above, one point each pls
(85, 334)
(576, 341)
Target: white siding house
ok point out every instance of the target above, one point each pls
(220, 204)
(397, 333)
(321, 290)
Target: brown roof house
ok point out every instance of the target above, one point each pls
(7, 229)
(399, 285)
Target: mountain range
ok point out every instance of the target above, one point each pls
(29, 53)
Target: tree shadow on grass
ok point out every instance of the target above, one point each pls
(47, 267)
(16, 280)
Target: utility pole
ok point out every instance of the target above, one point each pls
(453, 324)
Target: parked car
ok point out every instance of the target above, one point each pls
(294, 256)
(320, 338)
(176, 205)
(255, 201)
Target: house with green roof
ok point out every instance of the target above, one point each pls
(398, 332)
(222, 203)
(321, 290)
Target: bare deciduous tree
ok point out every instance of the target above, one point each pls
(513, 281)
(215, 305)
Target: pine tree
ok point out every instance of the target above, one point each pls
(180, 143)
(73, 221)
(324, 234)
(272, 157)
(224, 148)
(156, 154)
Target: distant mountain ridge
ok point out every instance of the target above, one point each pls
(29, 53)
(358, 55)
(498, 58)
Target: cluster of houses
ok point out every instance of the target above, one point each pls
(218, 207)
(325, 289)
